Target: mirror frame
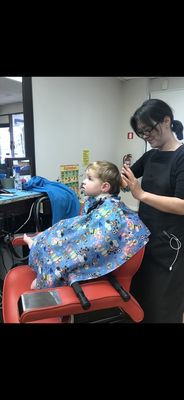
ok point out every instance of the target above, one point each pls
(28, 120)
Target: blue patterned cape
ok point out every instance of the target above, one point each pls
(87, 246)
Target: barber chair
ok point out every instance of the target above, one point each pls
(66, 304)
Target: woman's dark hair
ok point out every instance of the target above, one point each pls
(155, 110)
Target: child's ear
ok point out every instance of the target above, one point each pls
(105, 187)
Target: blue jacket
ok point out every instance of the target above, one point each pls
(64, 201)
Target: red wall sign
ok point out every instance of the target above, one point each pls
(130, 135)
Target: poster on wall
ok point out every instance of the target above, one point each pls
(85, 157)
(69, 175)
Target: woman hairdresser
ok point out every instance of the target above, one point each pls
(159, 284)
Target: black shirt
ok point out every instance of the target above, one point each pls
(162, 174)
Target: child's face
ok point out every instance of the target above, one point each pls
(92, 185)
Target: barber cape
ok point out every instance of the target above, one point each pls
(85, 247)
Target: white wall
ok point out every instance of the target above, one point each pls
(72, 114)
(133, 93)
(171, 91)
(172, 83)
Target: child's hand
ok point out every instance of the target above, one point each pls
(33, 285)
(27, 240)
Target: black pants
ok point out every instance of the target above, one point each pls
(159, 290)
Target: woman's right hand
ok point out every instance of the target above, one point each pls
(123, 182)
(133, 184)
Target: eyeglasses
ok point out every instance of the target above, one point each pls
(146, 132)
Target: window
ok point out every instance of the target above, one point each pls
(19, 137)
(12, 142)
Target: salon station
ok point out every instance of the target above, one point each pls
(51, 129)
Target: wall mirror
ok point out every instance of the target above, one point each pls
(16, 119)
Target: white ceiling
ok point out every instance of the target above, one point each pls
(10, 91)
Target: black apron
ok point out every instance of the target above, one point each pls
(159, 284)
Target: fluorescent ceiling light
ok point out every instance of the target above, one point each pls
(15, 78)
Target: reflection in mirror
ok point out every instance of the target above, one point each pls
(16, 119)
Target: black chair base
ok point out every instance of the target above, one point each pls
(111, 315)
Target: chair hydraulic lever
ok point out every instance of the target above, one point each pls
(80, 294)
(124, 295)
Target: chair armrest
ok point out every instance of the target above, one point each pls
(28, 301)
(100, 294)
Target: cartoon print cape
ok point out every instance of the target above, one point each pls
(85, 247)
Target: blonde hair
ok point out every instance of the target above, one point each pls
(107, 172)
